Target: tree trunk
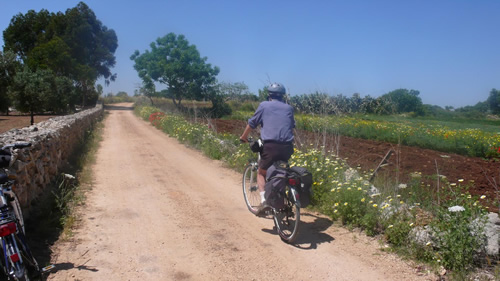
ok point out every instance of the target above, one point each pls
(177, 104)
(32, 114)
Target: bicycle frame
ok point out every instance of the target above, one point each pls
(18, 262)
(6, 191)
(286, 219)
(11, 226)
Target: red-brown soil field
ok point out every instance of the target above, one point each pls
(485, 174)
(19, 121)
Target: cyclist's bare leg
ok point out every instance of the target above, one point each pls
(261, 179)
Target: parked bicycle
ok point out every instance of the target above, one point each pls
(18, 263)
(286, 208)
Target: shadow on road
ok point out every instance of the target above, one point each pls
(117, 107)
(68, 265)
(311, 234)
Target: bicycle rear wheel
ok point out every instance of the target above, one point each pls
(12, 263)
(21, 265)
(287, 220)
(250, 188)
(32, 268)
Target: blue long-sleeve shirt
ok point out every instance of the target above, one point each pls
(276, 119)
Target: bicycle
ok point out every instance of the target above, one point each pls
(18, 262)
(286, 218)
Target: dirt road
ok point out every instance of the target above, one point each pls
(160, 211)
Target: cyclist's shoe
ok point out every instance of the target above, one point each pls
(262, 209)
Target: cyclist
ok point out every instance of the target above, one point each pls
(277, 123)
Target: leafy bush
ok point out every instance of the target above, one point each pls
(459, 228)
(397, 229)
(220, 109)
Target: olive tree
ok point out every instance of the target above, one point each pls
(8, 67)
(175, 62)
(29, 89)
(74, 44)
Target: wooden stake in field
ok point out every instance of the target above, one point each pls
(384, 161)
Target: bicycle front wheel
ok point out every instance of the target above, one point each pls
(250, 188)
(287, 220)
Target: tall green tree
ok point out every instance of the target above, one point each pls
(74, 44)
(148, 88)
(91, 43)
(173, 61)
(29, 90)
(26, 31)
(64, 95)
(403, 100)
(8, 67)
(54, 55)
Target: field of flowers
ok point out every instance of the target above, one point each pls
(346, 194)
(425, 134)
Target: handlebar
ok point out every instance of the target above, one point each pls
(6, 152)
(255, 145)
(248, 140)
(16, 145)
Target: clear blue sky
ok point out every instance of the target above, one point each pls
(448, 50)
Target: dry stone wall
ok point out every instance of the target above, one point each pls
(53, 141)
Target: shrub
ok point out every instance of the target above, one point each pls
(459, 228)
(220, 109)
(397, 229)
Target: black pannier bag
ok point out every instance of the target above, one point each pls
(276, 180)
(256, 146)
(304, 185)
